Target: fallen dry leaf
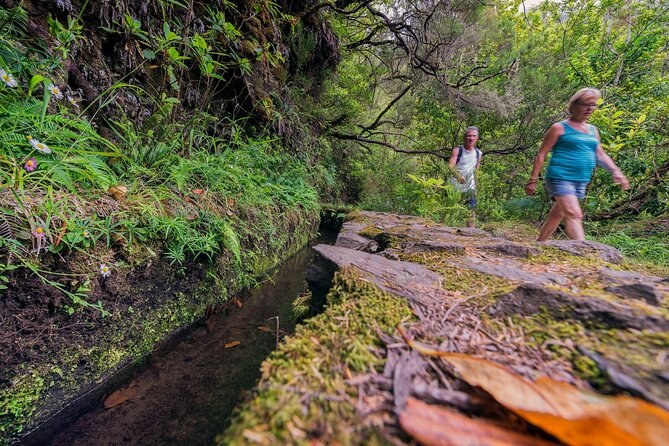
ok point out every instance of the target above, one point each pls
(266, 329)
(120, 396)
(118, 192)
(255, 437)
(574, 416)
(438, 426)
(238, 302)
(232, 344)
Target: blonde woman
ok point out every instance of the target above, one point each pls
(576, 148)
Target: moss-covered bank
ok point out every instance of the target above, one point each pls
(147, 303)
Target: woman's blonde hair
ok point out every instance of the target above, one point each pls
(573, 100)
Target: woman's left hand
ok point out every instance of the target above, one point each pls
(620, 178)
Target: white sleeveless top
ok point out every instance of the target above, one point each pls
(466, 167)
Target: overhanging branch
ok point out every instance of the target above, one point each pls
(362, 141)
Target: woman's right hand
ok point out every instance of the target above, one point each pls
(531, 187)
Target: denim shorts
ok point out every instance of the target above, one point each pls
(470, 199)
(560, 188)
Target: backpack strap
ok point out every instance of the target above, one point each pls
(460, 151)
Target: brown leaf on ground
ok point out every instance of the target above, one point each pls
(574, 416)
(238, 302)
(439, 426)
(121, 396)
(232, 344)
(118, 192)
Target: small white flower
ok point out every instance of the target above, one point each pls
(55, 91)
(8, 79)
(72, 101)
(39, 146)
(105, 271)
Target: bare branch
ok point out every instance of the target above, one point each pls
(363, 140)
(375, 124)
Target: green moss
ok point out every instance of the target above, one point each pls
(459, 279)
(303, 385)
(19, 402)
(637, 350)
(551, 255)
(587, 369)
(359, 217)
(371, 232)
(543, 326)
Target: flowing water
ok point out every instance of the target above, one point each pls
(188, 391)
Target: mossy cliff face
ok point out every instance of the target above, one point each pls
(223, 58)
(557, 310)
(146, 303)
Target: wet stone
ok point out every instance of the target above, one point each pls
(644, 291)
(390, 254)
(355, 241)
(435, 246)
(472, 232)
(397, 277)
(625, 276)
(510, 249)
(530, 299)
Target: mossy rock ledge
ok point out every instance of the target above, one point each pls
(572, 311)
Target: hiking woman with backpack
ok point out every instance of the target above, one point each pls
(576, 148)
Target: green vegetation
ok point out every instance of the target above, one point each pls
(511, 74)
(132, 201)
(171, 180)
(651, 251)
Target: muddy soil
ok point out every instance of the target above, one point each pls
(190, 388)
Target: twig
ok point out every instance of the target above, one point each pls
(456, 304)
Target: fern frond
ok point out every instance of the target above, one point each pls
(232, 242)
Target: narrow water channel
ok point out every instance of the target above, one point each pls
(186, 394)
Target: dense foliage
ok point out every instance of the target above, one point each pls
(167, 183)
(414, 75)
(508, 69)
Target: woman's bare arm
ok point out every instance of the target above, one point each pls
(550, 138)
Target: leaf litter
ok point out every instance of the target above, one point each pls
(512, 393)
(470, 381)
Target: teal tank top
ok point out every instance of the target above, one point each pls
(574, 155)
